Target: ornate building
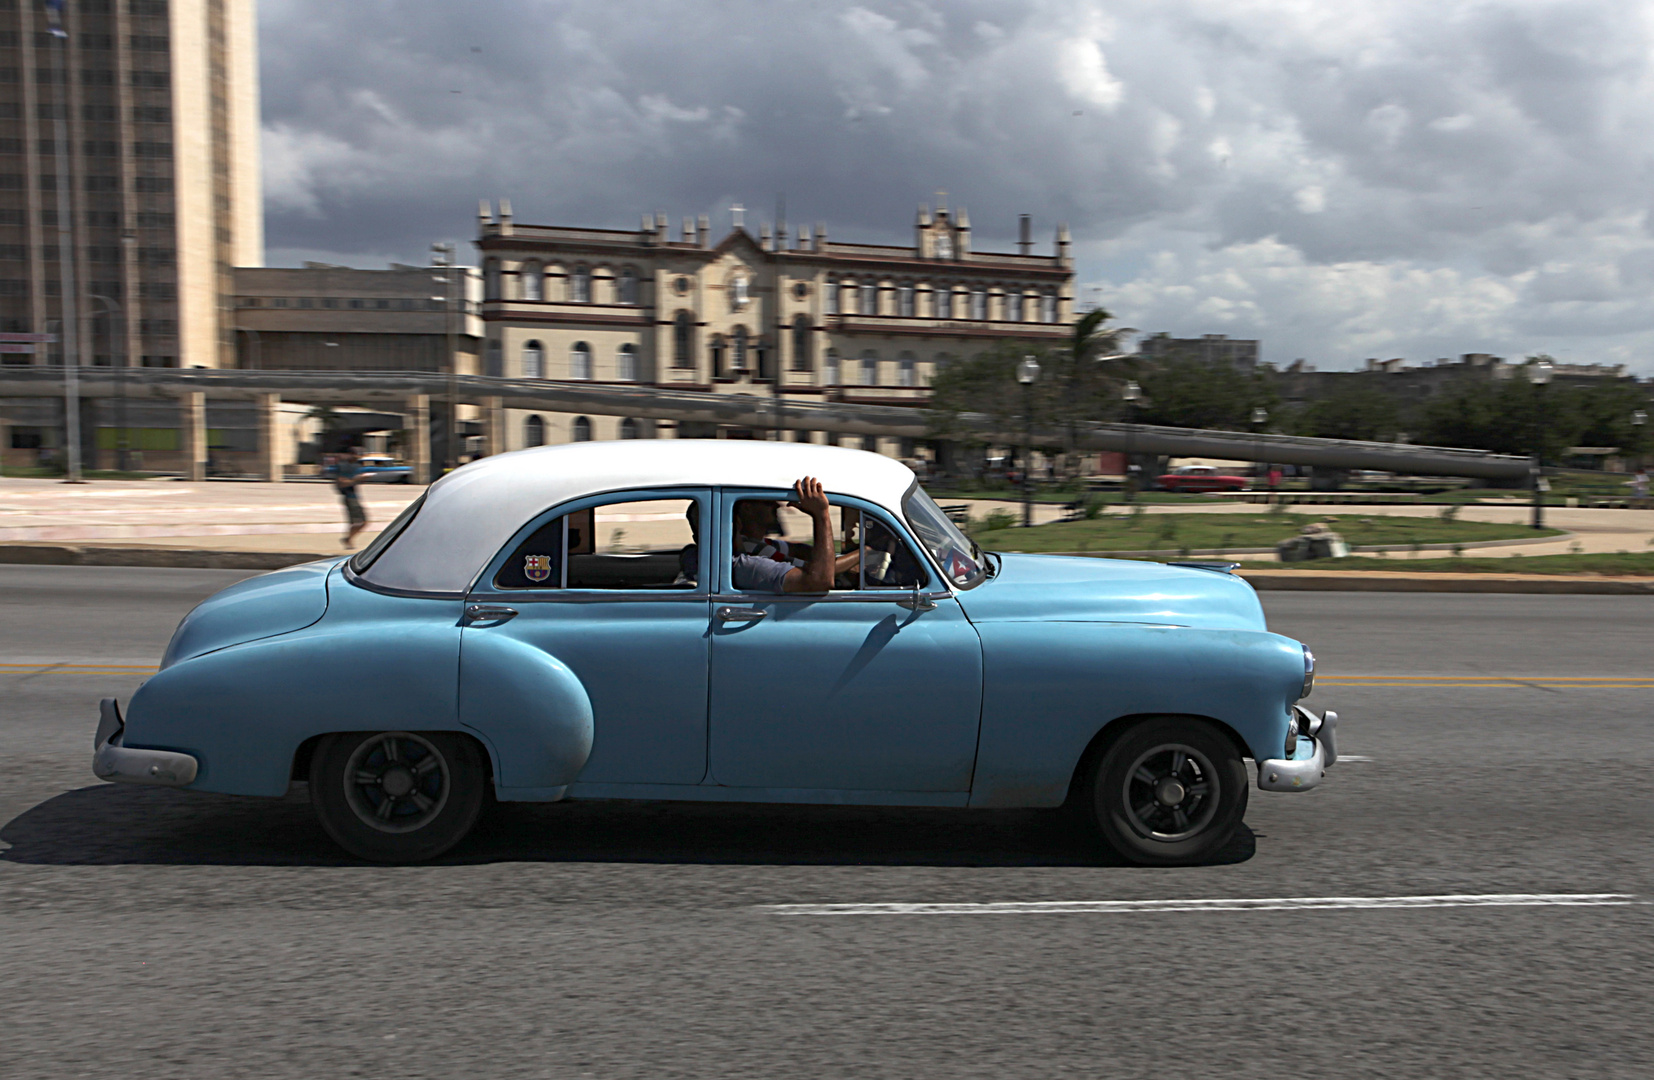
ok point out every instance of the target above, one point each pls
(813, 320)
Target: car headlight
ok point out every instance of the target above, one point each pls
(1309, 673)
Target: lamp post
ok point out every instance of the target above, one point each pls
(1639, 417)
(1539, 374)
(442, 258)
(1027, 372)
(66, 251)
(1131, 395)
(113, 308)
(1260, 417)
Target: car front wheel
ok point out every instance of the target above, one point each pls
(1169, 792)
(397, 796)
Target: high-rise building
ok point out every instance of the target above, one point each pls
(157, 101)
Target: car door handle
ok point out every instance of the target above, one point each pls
(489, 613)
(741, 614)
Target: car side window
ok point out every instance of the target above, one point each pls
(887, 562)
(632, 544)
(772, 538)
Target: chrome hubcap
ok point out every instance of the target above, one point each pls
(396, 782)
(1170, 792)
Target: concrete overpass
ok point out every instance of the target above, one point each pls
(411, 393)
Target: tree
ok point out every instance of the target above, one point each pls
(1185, 391)
(1358, 410)
(1505, 417)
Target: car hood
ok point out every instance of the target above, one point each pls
(1061, 588)
(260, 607)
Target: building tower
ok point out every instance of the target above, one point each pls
(160, 103)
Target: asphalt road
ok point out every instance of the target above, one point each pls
(162, 934)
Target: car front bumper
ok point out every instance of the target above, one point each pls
(1317, 749)
(130, 765)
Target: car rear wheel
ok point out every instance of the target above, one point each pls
(397, 796)
(1170, 792)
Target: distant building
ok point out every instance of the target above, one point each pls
(1240, 353)
(810, 320)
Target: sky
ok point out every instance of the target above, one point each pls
(1342, 181)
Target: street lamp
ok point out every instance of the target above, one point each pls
(442, 259)
(1131, 395)
(1539, 374)
(66, 251)
(1027, 372)
(113, 309)
(1639, 417)
(1260, 417)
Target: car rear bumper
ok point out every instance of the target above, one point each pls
(1317, 749)
(130, 765)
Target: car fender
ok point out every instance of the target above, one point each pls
(531, 710)
(1050, 688)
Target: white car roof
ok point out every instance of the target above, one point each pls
(470, 513)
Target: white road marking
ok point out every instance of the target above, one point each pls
(1353, 757)
(1315, 903)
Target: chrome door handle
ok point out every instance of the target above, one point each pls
(489, 613)
(741, 614)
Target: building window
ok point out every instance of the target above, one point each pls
(683, 351)
(830, 298)
(738, 355)
(1013, 306)
(802, 360)
(628, 286)
(869, 298)
(534, 361)
(582, 429)
(626, 364)
(580, 361)
(942, 302)
(870, 368)
(979, 304)
(530, 279)
(717, 354)
(829, 368)
(906, 374)
(1048, 307)
(491, 280)
(629, 429)
(580, 285)
(534, 432)
(496, 363)
(904, 301)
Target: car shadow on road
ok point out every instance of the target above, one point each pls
(107, 825)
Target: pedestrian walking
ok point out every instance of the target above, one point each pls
(347, 474)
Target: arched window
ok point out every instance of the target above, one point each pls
(717, 352)
(626, 364)
(1048, 307)
(534, 431)
(580, 361)
(628, 286)
(683, 343)
(764, 358)
(534, 361)
(905, 376)
(580, 285)
(491, 279)
(629, 429)
(1013, 306)
(582, 429)
(870, 368)
(869, 298)
(738, 355)
(829, 368)
(846, 296)
(979, 303)
(904, 301)
(496, 357)
(802, 360)
(942, 302)
(529, 277)
(830, 297)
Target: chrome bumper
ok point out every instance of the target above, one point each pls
(1317, 749)
(126, 765)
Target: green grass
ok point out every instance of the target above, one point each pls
(1174, 532)
(1623, 564)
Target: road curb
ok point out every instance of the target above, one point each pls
(1387, 581)
(178, 558)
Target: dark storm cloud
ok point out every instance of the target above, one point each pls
(1342, 180)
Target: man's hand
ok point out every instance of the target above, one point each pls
(811, 499)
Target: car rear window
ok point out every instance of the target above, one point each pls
(365, 558)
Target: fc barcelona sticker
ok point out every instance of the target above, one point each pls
(537, 567)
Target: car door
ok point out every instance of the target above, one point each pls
(613, 588)
(876, 686)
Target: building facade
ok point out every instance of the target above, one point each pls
(1238, 353)
(812, 319)
(157, 101)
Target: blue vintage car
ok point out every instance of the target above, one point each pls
(622, 621)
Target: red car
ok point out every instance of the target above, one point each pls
(1201, 478)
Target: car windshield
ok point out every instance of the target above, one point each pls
(958, 556)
